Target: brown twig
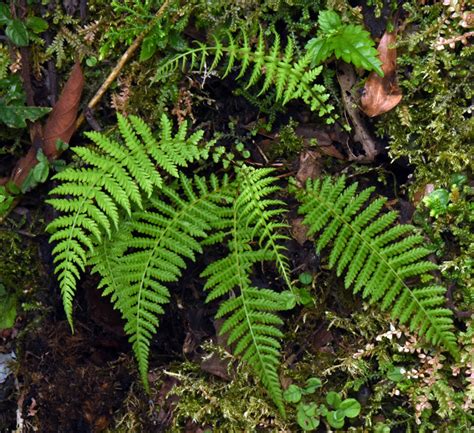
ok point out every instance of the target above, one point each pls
(121, 63)
(346, 78)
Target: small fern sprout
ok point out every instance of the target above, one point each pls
(290, 73)
(377, 257)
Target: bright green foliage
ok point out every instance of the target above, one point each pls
(118, 174)
(376, 257)
(251, 322)
(137, 265)
(349, 42)
(291, 75)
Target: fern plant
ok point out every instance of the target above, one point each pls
(376, 256)
(251, 320)
(118, 174)
(290, 73)
(121, 214)
(139, 262)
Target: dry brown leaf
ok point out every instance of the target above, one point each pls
(310, 166)
(299, 231)
(60, 125)
(381, 94)
(61, 121)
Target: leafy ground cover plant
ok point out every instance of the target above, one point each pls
(308, 413)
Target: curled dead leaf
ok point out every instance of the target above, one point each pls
(61, 121)
(381, 94)
(60, 125)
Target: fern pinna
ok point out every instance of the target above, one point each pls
(289, 72)
(377, 258)
(117, 175)
(137, 268)
(251, 320)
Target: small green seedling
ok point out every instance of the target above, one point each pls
(308, 414)
(303, 294)
(348, 408)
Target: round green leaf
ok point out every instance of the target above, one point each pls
(395, 374)
(148, 48)
(292, 394)
(304, 296)
(351, 407)
(312, 384)
(17, 32)
(91, 61)
(5, 15)
(334, 419)
(36, 24)
(305, 278)
(306, 416)
(333, 399)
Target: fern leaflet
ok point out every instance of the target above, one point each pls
(162, 237)
(376, 257)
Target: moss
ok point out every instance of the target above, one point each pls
(235, 406)
(18, 260)
(432, 128)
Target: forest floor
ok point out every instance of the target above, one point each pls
(55, 380)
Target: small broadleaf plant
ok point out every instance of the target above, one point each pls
(349, 42)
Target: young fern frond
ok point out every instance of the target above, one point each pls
(376, 257)
(161, 238)
(117, 175)
(251, 320)
(289, 72)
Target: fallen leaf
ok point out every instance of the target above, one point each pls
(310, 166)
(216, 366)
(325, 139)
(61, 123)
(299, 231)
(381, 94)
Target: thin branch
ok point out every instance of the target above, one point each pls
(121, 63)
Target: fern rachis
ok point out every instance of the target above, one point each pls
(378, 259)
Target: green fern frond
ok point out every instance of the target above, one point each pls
(251, 320)
(290, 73)
(376, 257)
(137, 270)
(117, 175)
